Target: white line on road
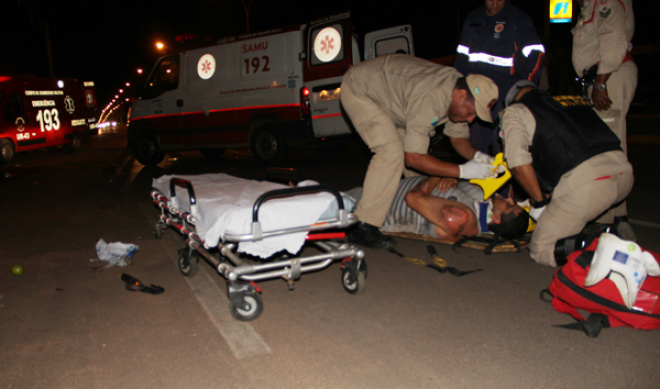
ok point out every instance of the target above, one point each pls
(243, 340)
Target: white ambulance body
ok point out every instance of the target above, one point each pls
(266, 91)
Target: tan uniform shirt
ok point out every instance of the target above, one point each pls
(456, 130)
(603, 35)
(582, 193)
(416, 93)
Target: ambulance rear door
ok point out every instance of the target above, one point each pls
(329, 55)
(394, 40)
(332, 49)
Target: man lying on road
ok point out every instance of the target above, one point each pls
(458, 210)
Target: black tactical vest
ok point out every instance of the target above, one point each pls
(568, 132)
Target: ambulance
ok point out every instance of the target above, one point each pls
(266, 91)
(43, 112)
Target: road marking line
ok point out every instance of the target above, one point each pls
(242, 339)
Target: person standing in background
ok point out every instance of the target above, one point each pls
(499, 41)
(602, 42)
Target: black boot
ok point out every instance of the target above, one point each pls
(565, 246)
(623, 229)
(365, 234)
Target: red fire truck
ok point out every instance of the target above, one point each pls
(43, 112)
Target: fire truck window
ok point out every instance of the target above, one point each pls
(165, 77)
(398, 45)
(14, 107)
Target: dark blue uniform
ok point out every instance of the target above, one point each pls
(505, 48)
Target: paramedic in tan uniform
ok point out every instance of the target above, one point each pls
(602, 36)
(572, 167)
(394, 103)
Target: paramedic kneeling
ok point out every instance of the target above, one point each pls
(567, 160)
(394, 103)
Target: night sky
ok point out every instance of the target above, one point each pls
(107, 41)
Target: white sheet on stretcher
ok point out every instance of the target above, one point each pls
(224, 205)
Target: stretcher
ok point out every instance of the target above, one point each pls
(209, 211)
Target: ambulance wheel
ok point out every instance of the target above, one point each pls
(6, 151)
(268, 145)
(353, 279)
(147, 151)
(76, 143)
(251, 305)
(188, 262)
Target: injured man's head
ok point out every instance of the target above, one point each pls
(507, 219)
(499, 215)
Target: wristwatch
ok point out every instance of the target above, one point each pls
(600, 86)
(539, 204)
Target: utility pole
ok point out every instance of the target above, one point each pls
(247, 13)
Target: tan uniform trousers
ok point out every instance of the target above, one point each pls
(381, 134)
(579, 198)
(621, 88)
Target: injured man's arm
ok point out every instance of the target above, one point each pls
(419, 207)
(460, 211)
(451, 219)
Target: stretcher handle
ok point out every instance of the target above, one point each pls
(191, 193)
(292, 192)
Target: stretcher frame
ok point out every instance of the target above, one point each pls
(245, 302)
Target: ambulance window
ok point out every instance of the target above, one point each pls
(398, 45)
(327, 44)
(14, 107)
(165, 77)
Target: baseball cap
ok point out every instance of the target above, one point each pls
(485, 93)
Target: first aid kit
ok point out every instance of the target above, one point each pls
(610, 283)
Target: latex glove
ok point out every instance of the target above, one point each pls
(483, 157)
(475, 169)
(535, 213)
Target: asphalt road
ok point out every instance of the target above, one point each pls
(69, 322)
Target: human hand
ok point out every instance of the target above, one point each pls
(446, 183)
(475, 169)
(483, 157)
(600, 99)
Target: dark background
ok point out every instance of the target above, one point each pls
(107, 41)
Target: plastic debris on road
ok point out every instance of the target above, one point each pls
(115, 253)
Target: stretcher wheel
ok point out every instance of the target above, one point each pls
(188, 262)
(247, 307)
(353, 277)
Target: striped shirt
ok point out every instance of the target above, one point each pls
(402, 218)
